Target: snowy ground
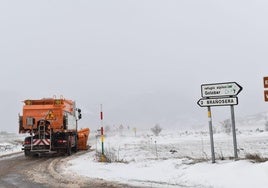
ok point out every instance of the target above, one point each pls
(10, 143)
(175, 158)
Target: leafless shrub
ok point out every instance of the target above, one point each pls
(107, 128)
(266, 126)
(156, 130)
(257, 158)
(109, 157)
(226, 126)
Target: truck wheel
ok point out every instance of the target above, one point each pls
(69, 148)
(69, 151)
(75, 149)
(27, 153)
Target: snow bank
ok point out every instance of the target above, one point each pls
(227, 174)
(163, 161)
(10, 143)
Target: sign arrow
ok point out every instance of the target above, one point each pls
(220, 89)
(227, 101)
(266, 95)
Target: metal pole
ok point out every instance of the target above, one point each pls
(102, 142)
(96, 143)
(101, 115)
(211, 135)
(50, 132)
(156, 149)
(234, 132)
(102, 135)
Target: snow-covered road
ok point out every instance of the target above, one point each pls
(172, 159)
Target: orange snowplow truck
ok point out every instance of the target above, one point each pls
(52, 125)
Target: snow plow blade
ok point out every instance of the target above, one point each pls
(82, 138)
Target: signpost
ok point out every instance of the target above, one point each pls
(265, 85)
(103, 157)
(220, 89)
(234, 132)
(221, 94)
(227, 101)
(211, 135)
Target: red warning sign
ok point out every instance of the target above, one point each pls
(266, 95)
(50, 115)
(265, 82)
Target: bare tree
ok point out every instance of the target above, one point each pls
(266, 123)
(156, 130)
(121, 128)
(266, 126)
(226, 125)
(107, 128)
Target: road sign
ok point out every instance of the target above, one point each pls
(265, 82)
(227, 101)
(50, 115)
(221, 94)
(266, 95)
(220, 89)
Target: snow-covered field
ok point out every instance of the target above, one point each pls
(10, 143)
(175, 158)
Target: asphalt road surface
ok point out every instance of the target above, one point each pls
(19, 171)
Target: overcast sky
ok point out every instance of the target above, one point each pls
(143, 60)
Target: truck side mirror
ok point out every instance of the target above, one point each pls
(79, 113)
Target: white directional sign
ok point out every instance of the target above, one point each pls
(218, 101)
(220, 89)
(222, 94)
